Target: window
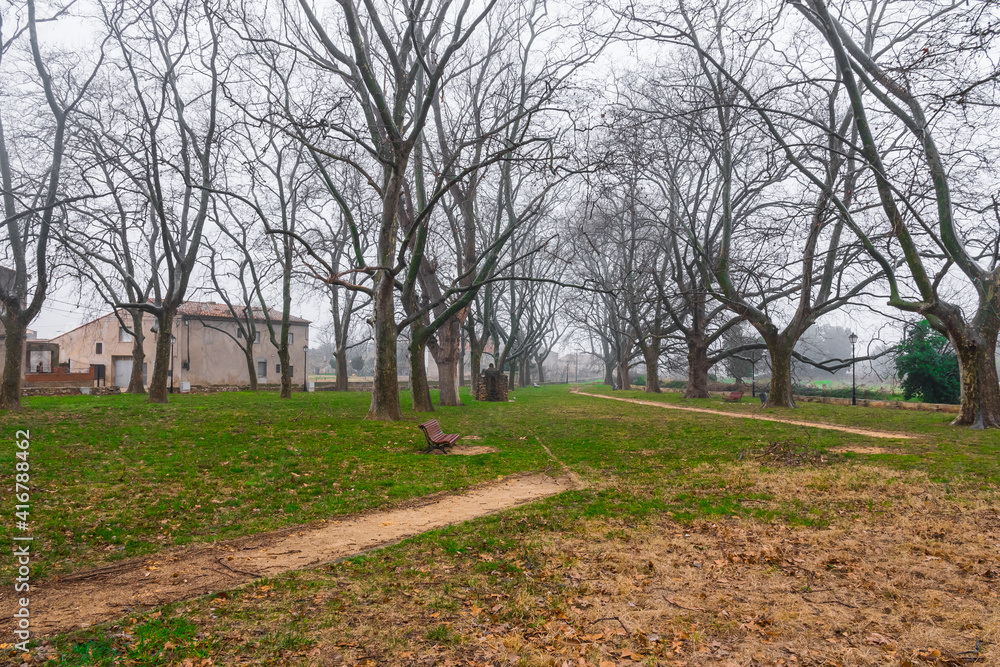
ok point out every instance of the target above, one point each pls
(291, 369)
(277, 368)
(124, 336)
(256, 336)
(99, 348)
(291, 338)
(261, 369)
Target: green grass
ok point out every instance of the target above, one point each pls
(939, 448)
(114, 476)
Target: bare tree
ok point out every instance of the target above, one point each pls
(941, 240)
(166, 144)
(381, 52)
(33, 147)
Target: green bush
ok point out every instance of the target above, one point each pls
(928, 366)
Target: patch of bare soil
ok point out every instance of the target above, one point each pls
(85, 598)
(858, 449)
(833, 427)
(470, 450)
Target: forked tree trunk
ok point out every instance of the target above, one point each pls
(976, 350)
(651, 354)
(161, 360)
(609, 372)
(779, 394)
(342, 370)
(135, 383)
(540, 365)
(420, 389)
(10, 387)
(698, 365)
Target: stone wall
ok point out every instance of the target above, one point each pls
(502, 384)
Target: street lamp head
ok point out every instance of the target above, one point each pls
(853, 338)
(305, 348)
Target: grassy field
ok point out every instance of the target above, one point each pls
(700, 539)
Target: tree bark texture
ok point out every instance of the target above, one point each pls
(342, 369)
(779, 394)
(651, 354)
(975, 346)
(135, 384)
(286, 377)
(446, 355)
(10, 387)
(161, 360)
(419, 387)
(698, 365)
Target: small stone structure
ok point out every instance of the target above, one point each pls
(492, 386)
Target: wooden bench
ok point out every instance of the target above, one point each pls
(438, 441)
(734, 397)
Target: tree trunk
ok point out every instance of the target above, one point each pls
(251, 367)
(526, 371)
(976, 350)
(446, 356)
(779, 394)
(135, 384)
(10, 388)
(419, 388)
(652, 356)
(161, 361)
(623, 370)
(698, 365)
(461, 362)
(609, 372)
(286, 377)
(513, 376)
(540, 365)
(385, 383)
(342, 369)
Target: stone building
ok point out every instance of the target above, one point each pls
(204, 350)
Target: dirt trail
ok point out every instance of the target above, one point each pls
(724, 413)
(89, 597)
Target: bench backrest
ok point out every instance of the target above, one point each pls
(432, 428)
(736, 394)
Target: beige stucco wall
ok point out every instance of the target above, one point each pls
(214, 357)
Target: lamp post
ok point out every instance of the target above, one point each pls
(305, 368)
(854, 380)
(753, 377)
(567, 372)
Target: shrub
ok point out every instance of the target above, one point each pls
(928, 366)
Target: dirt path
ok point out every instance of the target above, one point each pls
(724, 413)
(89, 597)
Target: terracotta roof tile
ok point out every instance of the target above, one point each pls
(221, 310)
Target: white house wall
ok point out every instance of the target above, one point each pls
(214, 357)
